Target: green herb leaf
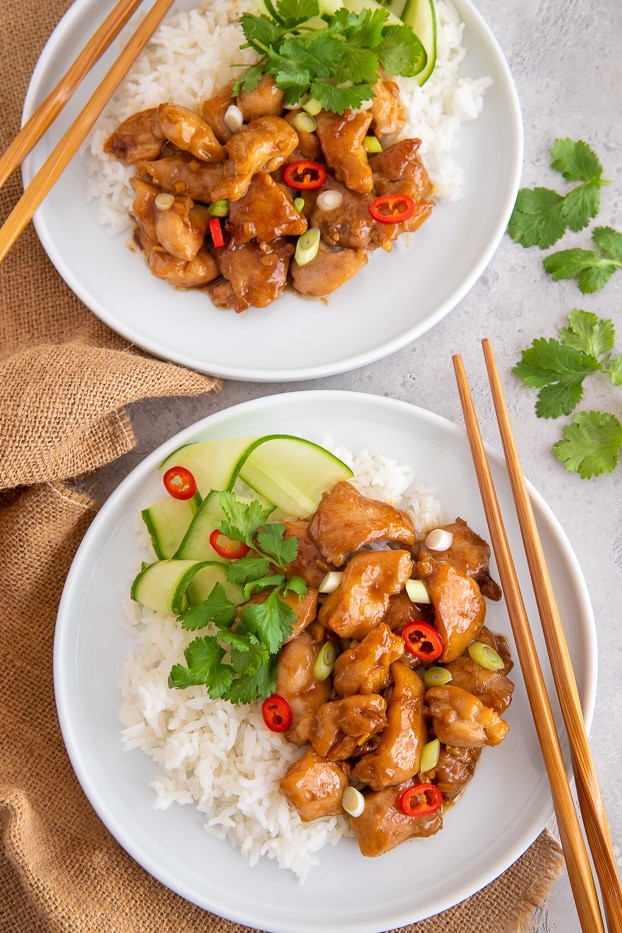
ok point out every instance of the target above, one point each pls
(558, 371)
(591, 270)
(537, 218)
(294, 12)
(609, 242)
(588, 333)
(271, 622)
(204, 659)
(243, 519)
(295, 585)
(261, 33)
(282, 550)
(615, 370)
(581, 204)
(591, 444)
(217, 608)
(576, 161)
(401, 52)
(257, 685)
(249, 80)
(340, 99)
(264, 583)
(247, 568)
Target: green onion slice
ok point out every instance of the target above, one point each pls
(218, 209)
(325, 661)
(486, 656)
(436, 677)
(304, 123)
(429, 756)
(299, 203)
(417, 591)
(307, 246)
(312, 107)
(372, 144)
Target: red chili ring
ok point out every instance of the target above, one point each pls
(423, 641)
(304, 175)
(227, 547)
(179, 483)
(392, 208)
(216, 232)
(277, 713)
(420, 800)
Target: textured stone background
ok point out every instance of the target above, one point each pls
(566, 61)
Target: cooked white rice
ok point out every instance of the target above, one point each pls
(191, 55)
(221, 757)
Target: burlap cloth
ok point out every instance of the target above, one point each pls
(64, 382)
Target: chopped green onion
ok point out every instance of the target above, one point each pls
(299, 203)
(436, 677)
(429, 756)
(352, 801)
(486, 656)
(218, 209)
(417, 591)
(304, 123)
(439, 539)
(312, 107)
(164, 201)
(307, 246)
(325, 661)
(330, 582)
(372, 144)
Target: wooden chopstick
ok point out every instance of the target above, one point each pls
(46, 113)
(58, 160)
(588, 790)
(573, 843)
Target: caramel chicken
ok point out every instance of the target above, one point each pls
(382, 826)
(459, 718)
(364, 668)
(467, 552)
(256, 275)
(186, 130)
(459, 609)
(386, 108)
(339, 728)
(345, 521)
(137, 138)
(329, 271)
(313, 786)
(298, 684)
(308, 563)
(342, 138)
(454, 769)
(264, 213)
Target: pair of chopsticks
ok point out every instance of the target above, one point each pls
(590, 800)
(36, 126)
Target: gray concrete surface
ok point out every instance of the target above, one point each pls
(566, 60)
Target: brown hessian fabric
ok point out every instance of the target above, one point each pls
(64, 382)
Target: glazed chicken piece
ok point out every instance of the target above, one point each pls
(342, 140)
(401, 612)
(297, 683)
(399, 170)
(459, 609)
(328, 271)
(139, 137)
(461, 719)
(265, 213)
(265, 100)
(362, 597)
(345, 520)
(493, 688)
(308, 144)
(364, 668)
(264, 143)
(500, 644)
(202, 181)
(349, 225)
(454, 770)
(398, 755)
(190, 133)
(214, 110)
(181, 228)
(382, 825)
(339, 728)
(257, 275)
(468, 552)
(308, 563)
(386, 108)
(313, 786)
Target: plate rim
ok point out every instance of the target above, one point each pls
(467, 10)
(139, 851)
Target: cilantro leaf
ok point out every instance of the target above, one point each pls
(537, 218)
(260, 31)
(217, 608)
(591, 444)
(591, 270)
(581, 204)
(401, 51)
(615, 370)
(249, 80)
(609, 242)
(558, 371)
(271, 622)
(282, 550)
(247, 568)
(204, 659)
(340, 99)
(576, 161)
(296, 585)
(264, 583)
(255, 685)
(588, 333)
(294, 12)
(248, 658)
(243, 518)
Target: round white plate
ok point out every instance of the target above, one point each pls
(393, 300)
(505, 807)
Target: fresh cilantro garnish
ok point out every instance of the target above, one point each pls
(337, 64)
(592, 270)
(557, 368)
(541, 216)
(238, 661)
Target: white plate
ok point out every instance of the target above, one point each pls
(503, 810)
(393, 300)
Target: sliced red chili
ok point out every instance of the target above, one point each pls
(277, 713)
(227, 547)
(420, 800)
(216, 232)
(423, 641)
(179, 483)
(304, 175)
(392, 208)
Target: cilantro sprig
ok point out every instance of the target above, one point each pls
(541, 216)
(337, 63)
(557, 368)
(238, 661)
(591, 269)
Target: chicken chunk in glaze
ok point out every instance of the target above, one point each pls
(364, 668)
(313, 786)
(341, 727)
(382, 826)
(467, 552)
(459, 718)
(298, 684)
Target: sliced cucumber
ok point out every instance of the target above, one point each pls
(162, 586)
(291, 472)
(204, 581)
(210, 462)
(420, 15)
(195, 543)
(167, 522)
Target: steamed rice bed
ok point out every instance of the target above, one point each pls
(219, 756)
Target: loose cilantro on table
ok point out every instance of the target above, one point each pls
(334, 58)
(541, 216)
(239, 661)
(557, 368)
(592, 270)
